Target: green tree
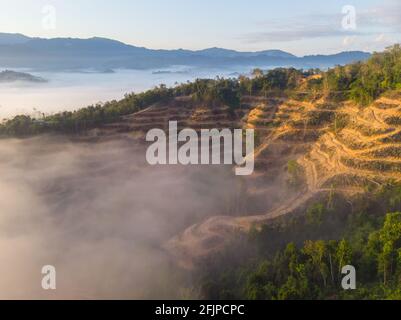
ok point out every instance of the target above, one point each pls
(343, 255)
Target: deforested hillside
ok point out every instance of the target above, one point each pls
(340, 137)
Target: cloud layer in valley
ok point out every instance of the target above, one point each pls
(100, 215)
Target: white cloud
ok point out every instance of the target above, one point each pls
(381, 23)
(349, 41)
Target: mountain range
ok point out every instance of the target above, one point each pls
(20, 51)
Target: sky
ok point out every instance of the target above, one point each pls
(300, 27)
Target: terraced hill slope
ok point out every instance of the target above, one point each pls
(181, 109)
(334, 146)
(340, 147)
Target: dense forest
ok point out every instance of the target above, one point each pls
(361, 82)
(277, 262)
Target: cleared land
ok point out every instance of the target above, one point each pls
(338, 147)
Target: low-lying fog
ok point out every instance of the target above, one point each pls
(73, 90)
(100, 215)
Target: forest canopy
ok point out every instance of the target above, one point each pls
(301, 257)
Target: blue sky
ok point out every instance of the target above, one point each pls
(300, 27)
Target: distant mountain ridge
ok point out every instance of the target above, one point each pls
(13, 38)
(19, 51)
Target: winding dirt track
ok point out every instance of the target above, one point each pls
(323, 162)
(278, 121)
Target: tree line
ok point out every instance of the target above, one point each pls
(362, 82)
